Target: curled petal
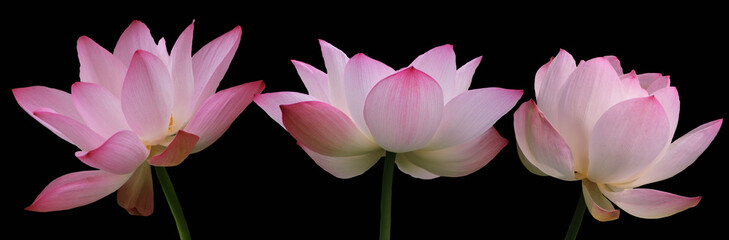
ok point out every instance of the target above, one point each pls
(403, 111)
(325, 129)
(36, 97)
(649, 203)
(360, 75)
(180, 147)
(598, 206)
(406, 166)
(271, 102)
(541, 144)
(464, 75)
(627, 138)
(345, 167)
(76, 189)
(120, 154)
(462, 159)
(555, 75)
(219, 111)
(335, 61)
(137, 194)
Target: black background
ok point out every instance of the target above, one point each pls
(256, 183)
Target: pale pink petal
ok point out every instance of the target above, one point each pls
(219, 111)
(464, 75)
(210, 63)
(631, 87)
(403, 111)
(335, 60)
(653, 81)
(182, 77)
(97, 65)
(147, 97)
(627, 138)
(162, 51)
(37, 97)
(120, 154)
(558, 69)
(345, 167)
(527, 164)
(613, 60)
(406, 166)
(360, 75)
(460, 160)
(658, 84)
(100, 109)
(471, 113)
(668, 97)
(76, 189)
(137, 194)
(73, 131)
(325, 129)
(440, 64)
(649, 203)
(180, 147)
(271, 102)
(681, 153)
(599, 207)
(588, 92)
(135, 37)
(541, 144)
(539, 77)
(315, 80)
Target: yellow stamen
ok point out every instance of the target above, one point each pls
(169, 128)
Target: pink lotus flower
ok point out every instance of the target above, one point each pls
(361, 108)
(610, 130)
(137, 107)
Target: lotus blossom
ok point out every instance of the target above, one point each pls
(610, 130)
(361, 108)
(136, 107)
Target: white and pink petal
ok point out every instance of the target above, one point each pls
(76, 189)
(122, 153)
(649, 203)
(345, 167)
(271, 102)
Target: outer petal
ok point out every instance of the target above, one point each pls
(527, 164)
(271, 102)
(406, 166)
(440, 63)
(558, 70)
(97, 65)
(177, 151)
(76, 189)
(541, 144)
(219, 111)
(182, 76)
(325, 129)
(335, 60)
(360, 75)
(345, 167)
(120, 154)
(598, 206)
(100, 109)
(137, 194)
(649, 203)
(74, 132)
(588, 92)
(403, 111)
(34, 98)
(681, 154)
(668, 97)
(471, 113)
(147, 97)
(210, 63)
(464, 75)
(315, 80)
(626, 139)
(135, 37)
(539, 77)
(462, 159)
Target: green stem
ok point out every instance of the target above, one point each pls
(386, 200)
(576, 219)
(169, 190)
